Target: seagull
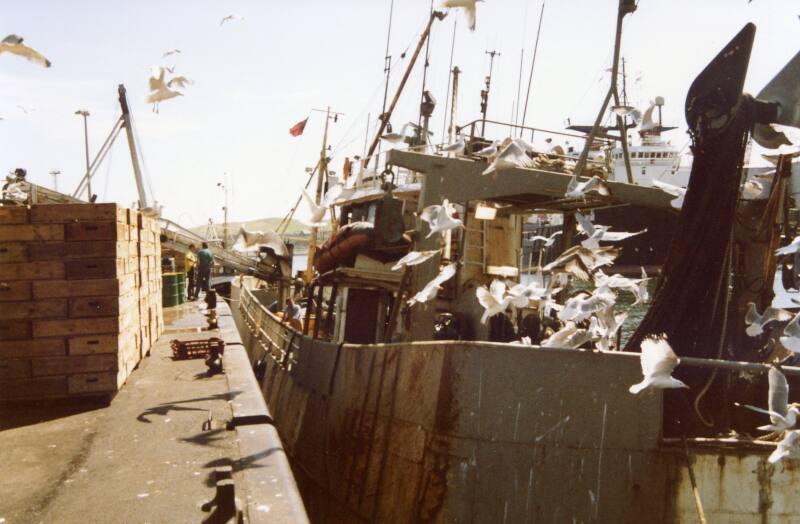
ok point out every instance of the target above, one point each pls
(600, 233)
(791, 335)
(790, 249)
(489, 150)
(577, 189)
(492, 299)
(317, 212)
(269, 239)
(455, 148)
(414, 258)
(782, 415)
(755, 322)
(158, 89)
(171, 52)
(678, 193)
(522, 294)
(608, 325)
(440, 218)
(548, 241)
(13, 44)
(24, 109)
(469, 9)
(636, 286)
(789, 447)
(570, 336)
(180, 81)
(230, 18)
(511, 156)
(658, 361)
(579, 260)
(753, 190)
(396, 138)
(582, 306)
(432, 288)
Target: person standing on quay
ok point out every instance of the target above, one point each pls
(191, 273)
(205, 261)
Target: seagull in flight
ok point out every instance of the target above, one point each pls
(577, 189)
(492, 299)
(579, 261)
(396, 138)
(440, 218)
(13, 44)
(548, 241)
(782, 415)
(269, 239)
(317, 211)
(790, 249)
(180, 81)
(582, 306)
(171, 52)
(755, 322)
(658, 360)
(414, 258)
(790, 338)
(789, 447)
(513, 155)
(159, 90)
(599, 234)
(570, 336)
(230, 18)
(432, 288)
(469, 9)
(678, 193)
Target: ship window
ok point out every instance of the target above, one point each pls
(658, 155)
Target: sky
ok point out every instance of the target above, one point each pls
(257, 77)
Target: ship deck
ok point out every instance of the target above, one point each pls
(146, 456)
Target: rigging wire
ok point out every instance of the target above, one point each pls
(425, 72)
(533, 63)
(449, 77)
(387, 65)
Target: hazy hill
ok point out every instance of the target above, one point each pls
(260, 224)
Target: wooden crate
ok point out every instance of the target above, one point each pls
(80, 301)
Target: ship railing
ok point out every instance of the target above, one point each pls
(279, 341)
(531, 134)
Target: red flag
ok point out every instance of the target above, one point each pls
(298, 128)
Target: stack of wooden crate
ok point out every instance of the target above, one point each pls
(79, 298)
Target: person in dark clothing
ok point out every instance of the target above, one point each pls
(205, 261)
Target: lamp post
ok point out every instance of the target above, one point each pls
(85, 114)
(225, 219)
(55, 173)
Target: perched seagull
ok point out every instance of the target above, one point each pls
(790, 249)
(755, 322)
(317, 212)
(790, 338)
(600, 233)
(269, 239)
(492, 299)
(432, 288)
(511, 156)
(158, 89)
(782, 415)
(577, 189)
(180, 81)
(13, 44)
(548, 241)
(440, 218)
(580, 307)
(171, 52)
(789, 447)
(469, 9)
(489, 150)
(455, 148)
(678, 193)
(230, 18)
(657, 360)
(414, 258)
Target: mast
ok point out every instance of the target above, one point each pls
(533, 63)
(126, 123)
(388, 114)
(451, 131)
(322, 173)
(387, 70)
(485, 92)
(625, 7)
